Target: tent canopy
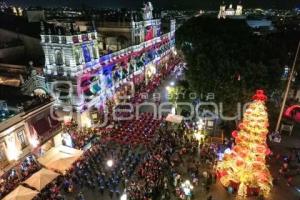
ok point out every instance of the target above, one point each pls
(21, 193)
(174, 118)
(40, 179)
(60, 158)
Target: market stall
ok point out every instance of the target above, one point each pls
(60, 158)
(21, 193)
(41, 179)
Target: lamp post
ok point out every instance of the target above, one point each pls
(287, 89)
(110, 163)
(123, 197)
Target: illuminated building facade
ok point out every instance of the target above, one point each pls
(80, 79)
(25, 131)
(230, 11)
(123, 30)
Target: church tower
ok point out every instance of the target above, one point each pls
(239, 9)
(222, 11)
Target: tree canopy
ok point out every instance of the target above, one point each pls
(225, 57)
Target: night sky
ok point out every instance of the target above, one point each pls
(184, 4)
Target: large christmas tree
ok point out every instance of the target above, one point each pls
(245, 166)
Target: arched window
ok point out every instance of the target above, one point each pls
(58, 57)
(78, 58)
(86, 53)
(95, 49)
(51, 60)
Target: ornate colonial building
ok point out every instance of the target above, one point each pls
(25, 130)
(230, 11)
(129, 29)
(79, 79)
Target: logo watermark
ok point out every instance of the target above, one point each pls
(72, 103)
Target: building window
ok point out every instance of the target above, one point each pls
(78, 58)
(51, 59)
(22, 138)
(58, 58)
(46, 39)
(95, 52)
(67, 61)
(60, 71)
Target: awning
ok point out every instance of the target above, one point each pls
(174, 118)
(41, 179)
(21, 193)
(60, 158)
(42, 126)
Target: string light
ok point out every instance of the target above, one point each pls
(245, 165)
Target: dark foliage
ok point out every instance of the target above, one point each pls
(226, 58)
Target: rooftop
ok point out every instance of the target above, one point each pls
(11, 43)
(20, 25)
(17, 102)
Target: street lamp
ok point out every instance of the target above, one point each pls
(110, 163)
(187, 188)
(123, 197)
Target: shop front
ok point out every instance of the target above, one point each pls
(14, 145)
(45, 130)
(56, 140)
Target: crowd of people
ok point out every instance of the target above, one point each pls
(289, 166)
(153, 175)
(79, 137)
(52, 191)
(11, 179)
(134, 155)
(105, 168)
(144, 158)
(134, 132)
(139, 97)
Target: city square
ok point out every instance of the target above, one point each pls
(149, 101)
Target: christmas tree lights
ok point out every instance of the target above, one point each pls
(245, 166)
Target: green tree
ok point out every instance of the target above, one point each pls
(226, 58)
